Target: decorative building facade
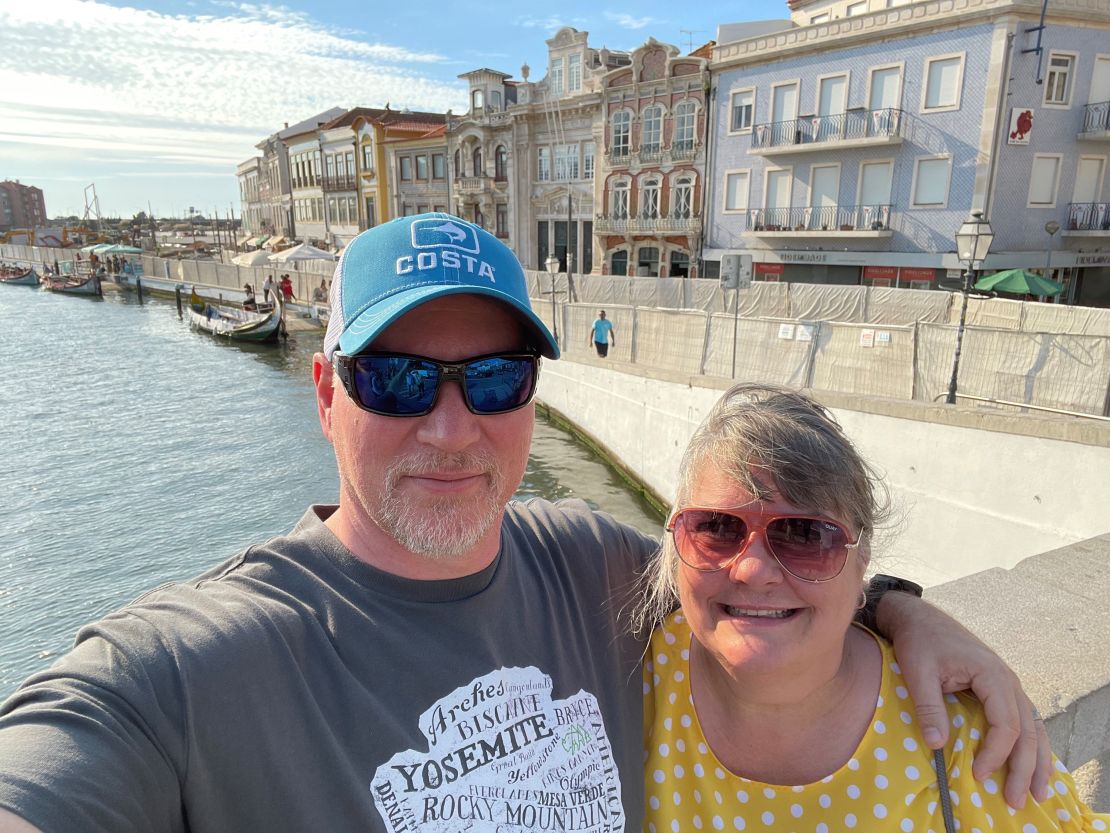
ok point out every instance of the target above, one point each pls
(651, 178)
(850, 143)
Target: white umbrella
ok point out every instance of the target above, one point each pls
(252, 258)
(304, 251)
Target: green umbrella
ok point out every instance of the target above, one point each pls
(1019, 282)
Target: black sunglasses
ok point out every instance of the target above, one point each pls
(397, 384)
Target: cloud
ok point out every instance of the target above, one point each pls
(550, 23)
(627, 21)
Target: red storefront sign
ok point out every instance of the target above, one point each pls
(916, 273)
(879, 273)
(770, 268)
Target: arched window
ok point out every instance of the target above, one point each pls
(683, 200)
(501, 164)
(647, 262)
(618, 208)
(476, 158)
(458, 164)
(476, 100)
(684, 119)
(495, 100)
(649, 199)
(621, 141)
(651, 129)
(618, 263)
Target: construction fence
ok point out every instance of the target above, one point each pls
(782, 336)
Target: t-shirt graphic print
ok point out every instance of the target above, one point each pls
(503, 756)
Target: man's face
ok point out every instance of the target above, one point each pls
(436, 484)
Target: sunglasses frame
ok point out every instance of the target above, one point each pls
(448, 371)
(765, 520)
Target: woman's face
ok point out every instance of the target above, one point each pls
(753, 616)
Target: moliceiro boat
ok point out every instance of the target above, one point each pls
(73, 284)
(17, 277)
(234, 323)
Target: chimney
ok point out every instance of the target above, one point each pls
(287, 125)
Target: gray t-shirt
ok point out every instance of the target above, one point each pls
(296, 688)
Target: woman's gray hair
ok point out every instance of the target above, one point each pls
(768, 438)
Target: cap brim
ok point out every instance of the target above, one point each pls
(373, 321)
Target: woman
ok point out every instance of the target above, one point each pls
(249, 302)
(765, 708)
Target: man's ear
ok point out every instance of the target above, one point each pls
(323, 377)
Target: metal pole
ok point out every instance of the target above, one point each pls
(735, 327)
(951, 398)
(554, 320)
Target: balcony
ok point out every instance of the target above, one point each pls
(1096, 122)
(342, 182)
(606, 224)
(1088, 219)
(472, 184)
(654, 155)
(856, 128)
(837, 221)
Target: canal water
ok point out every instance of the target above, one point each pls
(134, 451)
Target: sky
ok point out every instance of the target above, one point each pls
(156, 103)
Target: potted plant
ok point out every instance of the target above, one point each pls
(847, 227)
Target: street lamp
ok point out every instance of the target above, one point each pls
(973, 241)
(1051, 227)
(552, 264)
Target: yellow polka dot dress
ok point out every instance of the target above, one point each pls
(888, 785)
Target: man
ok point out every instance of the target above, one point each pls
(425, 656)
(602, 334)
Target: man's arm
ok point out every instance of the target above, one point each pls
(937, 655)
(11, 823)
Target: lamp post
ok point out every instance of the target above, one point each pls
(552, 264)
(973, 241)
(1051, 227)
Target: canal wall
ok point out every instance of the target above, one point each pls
(1003, 517)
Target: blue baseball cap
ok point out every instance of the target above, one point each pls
(397, 266)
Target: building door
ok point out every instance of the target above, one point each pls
(874, 189)
(832, 99)
(680, 265)
(784, 110)
(541, 245)
(824, 191)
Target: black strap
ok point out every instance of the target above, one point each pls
(945, 795)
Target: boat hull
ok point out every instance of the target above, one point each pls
(235, 324)
(28, 278)
(70, 286)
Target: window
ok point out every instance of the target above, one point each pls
(649, 199)
(819, 18)
(619, 207)
(930, 183)
(500, 164)
(587, 160)
(566, 162)
(1057, 83)
(856, 8)
(557, 76)
(647, 262)
(651, 130)
(543, 164)
(736, 190)
(574, 73)
(368, 157)
(495, 100)
(439, 166)
(742, 108)
(943, 80)
(683, 199)
(330, 161)
(618, 263)
(622, 133)
(422, 166)
(350, 162)
(371, 218)
(476, 100)
(458, 164)
(502, 221)
(476, 158)
(683, 138)
(406, 168)
(1043, 179)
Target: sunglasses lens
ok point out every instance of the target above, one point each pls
(500, 384)
(705, 540)
(395, 384)
(810, 548)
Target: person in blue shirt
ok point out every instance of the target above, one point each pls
(603, 335)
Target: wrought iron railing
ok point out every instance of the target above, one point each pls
(334, 182)
(683, 151)
(1096, 117)
(827, 218)
(1089, 216)
(856, 124)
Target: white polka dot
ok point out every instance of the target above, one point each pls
(703, 749)
(718, 797)
(822, 828)
(910, 798)
(676, 798)
(991, 786)
(768, 818)
(654, 802)
(796, 810)
(932, 807)
(768, 792)
(699, 771)
(1063, 815)
(697, 822)
(679, 676)
(675, 826)
(672, 698)
(880, 727)
(647, 688)
(850, 820)
(664, 750)
(910, 744)
(661, 659)
(853, 791)
(685, 720)
(958, 745)
(880, 811)
(658, 776)
(912, 772)
(1060, 766)
(655, 679)
(976, 799)
(680, 745)
(718, 823)
(742, 796)
(739, 823)
(907, 718)
(901, 692)
(896, 668)
(651, 827)
(697, 796)
(669, 637)
(974, 733)
(853, 764)
(686, 653)
(1098, 824)
(958, 721)
(880, 753)
(1029, 827)
(825, 801)
(797, 789)
(1061, 787)
(879, 702)
(881, 782)
(950, 698)
(679, 772)
(906, 825)
(955, 773)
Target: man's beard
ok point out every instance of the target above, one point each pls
(446, 527)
